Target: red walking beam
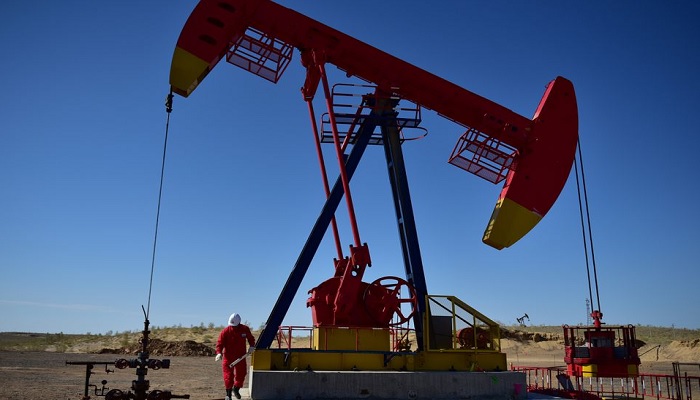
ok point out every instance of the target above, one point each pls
(543, 146)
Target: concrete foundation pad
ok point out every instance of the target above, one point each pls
(279, 385)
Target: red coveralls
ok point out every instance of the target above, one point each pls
(232, 344)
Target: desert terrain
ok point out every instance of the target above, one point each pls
(38, 374)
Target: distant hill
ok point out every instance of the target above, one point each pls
(647, 334)
(93, 343)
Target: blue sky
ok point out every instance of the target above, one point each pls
(81, 134)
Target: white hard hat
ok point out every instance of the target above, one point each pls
(234, 319)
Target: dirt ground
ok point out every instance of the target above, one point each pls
(45, 375)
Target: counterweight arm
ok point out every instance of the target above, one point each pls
(544, 146)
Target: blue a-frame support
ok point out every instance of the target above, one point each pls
(404, 213)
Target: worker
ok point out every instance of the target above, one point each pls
(231, 345)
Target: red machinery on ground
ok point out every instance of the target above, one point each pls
(600, 350)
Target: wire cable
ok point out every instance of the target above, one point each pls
(590, 230)
(168, 109)
(583, 232)
(587, 239)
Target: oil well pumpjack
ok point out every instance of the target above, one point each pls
(353, 320)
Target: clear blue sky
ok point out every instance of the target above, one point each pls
(81, 132)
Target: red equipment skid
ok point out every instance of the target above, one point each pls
(258, 35)
(609, 351)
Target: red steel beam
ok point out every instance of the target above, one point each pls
(546, 143)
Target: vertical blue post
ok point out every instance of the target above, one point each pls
(413, 262)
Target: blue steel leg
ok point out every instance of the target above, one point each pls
(315, 237)
(413, 262)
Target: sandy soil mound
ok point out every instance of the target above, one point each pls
(157, 347)
(681, 350)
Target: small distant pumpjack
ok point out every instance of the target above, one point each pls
(140, 386)
(522, 319)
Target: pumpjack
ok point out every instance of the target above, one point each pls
(354, 321)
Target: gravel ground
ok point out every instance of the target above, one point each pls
(44, 375)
